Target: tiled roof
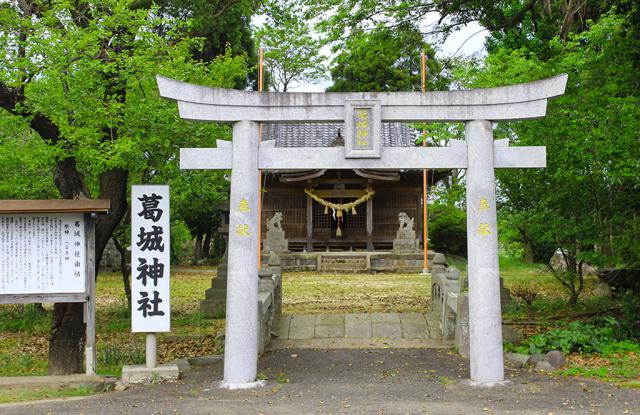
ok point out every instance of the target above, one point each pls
(323, 134)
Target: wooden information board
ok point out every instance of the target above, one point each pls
(47, 256)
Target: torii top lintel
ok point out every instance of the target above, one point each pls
(515, 102)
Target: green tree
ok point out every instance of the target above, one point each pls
(81, 76)
(221, 24)
(198, 198)
(584, 204)
(513, 20)
(385, 59)
(291, 54)
(27, 173)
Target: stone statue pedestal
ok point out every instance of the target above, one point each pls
(406, 241)
(406, 245)
(275, 242)
(275, 245)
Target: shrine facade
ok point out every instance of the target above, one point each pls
(372, 224)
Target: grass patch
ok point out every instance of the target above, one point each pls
(314, 293)
(31, 394)
(619, 367)
(24, 318)
(551, 301)
(24, 329)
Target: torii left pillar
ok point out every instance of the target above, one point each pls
(241, 324)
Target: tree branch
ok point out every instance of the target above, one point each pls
(517, 18)
(10, 97)
(225, 8)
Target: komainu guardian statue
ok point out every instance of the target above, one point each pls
(405, 241)
(275, 240)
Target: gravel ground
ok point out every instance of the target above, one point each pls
(379, 381)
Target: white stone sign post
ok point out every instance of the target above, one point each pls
(150, 278)
(362, 114)
(150, 267)
(47, 254)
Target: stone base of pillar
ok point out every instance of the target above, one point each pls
(487, 384)
(242, 385)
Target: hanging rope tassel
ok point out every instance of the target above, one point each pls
(339, 210)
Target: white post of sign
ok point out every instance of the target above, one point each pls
(150, 265)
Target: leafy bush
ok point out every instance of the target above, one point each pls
(623, 346)
(630, 321)
(180, 236)
(448, 229)
(593, 337)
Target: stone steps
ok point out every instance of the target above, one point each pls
(356, 326)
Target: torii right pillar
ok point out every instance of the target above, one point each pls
(485, 319)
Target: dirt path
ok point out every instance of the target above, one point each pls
(387, 381)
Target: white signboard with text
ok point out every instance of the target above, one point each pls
(42, 253)
(150, 259)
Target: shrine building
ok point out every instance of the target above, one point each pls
(341, 210)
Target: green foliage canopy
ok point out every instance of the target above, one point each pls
(385, 60)
(585, 202)
(291, 54)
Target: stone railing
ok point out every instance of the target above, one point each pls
(450, 305)
(269, 297)
(269, 300)
(443, 281)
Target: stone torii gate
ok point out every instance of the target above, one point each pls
(363, 114)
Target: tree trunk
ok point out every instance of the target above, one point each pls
(197, 249)
(113, 186)
(206, 245)
(573, 298)
(124, 269)
(527, 254)
(67, 337)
